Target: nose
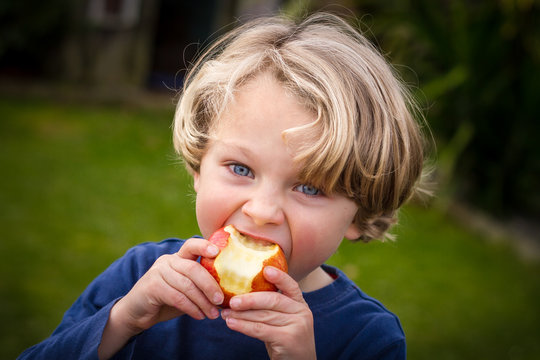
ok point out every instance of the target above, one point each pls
(264, 206)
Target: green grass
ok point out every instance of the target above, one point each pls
(458, 296)
(81, 184)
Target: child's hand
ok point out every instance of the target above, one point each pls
(282, 320)
(176, 284)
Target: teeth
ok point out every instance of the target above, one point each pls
(241, 261)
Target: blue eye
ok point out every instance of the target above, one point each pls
(240, 170)
(308, 190)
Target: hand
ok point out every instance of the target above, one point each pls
(176, 284)
(282, 320)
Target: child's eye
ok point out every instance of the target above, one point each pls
(308, 190)
(241, 170)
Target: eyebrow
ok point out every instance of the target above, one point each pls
(233, 145)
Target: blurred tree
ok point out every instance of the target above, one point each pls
(31, 32)
(482, 76)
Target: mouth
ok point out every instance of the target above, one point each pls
(250, 240)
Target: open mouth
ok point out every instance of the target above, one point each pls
(249, 241)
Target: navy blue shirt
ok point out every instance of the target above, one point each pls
(348, 324)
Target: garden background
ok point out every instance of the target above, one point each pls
(88, 169)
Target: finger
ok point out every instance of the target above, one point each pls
(160, 295)
(195, 247)
(264, 300)
(286, 284)
(273, 318)
(256, 330)
(286, 301)
(270, 334)
(177, 300)
(194, 282)
(276, 329)
(200, 277)
(190, 295)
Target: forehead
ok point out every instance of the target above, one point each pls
(263, 107)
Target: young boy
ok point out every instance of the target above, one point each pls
(297, 134)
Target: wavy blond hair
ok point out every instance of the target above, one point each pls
(366, 143)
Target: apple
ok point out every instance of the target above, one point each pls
(238, 268)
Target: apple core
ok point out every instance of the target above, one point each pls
(240, 262)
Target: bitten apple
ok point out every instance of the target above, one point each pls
(238, 268)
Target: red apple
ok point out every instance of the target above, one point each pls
(238, 268)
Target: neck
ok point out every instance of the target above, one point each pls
(315, 280)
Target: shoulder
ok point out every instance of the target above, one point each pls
(138, 259)
(361, 321)
(153, 250)
(123, 273)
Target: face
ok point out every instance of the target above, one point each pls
(248, 178)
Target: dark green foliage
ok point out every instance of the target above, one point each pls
(31, 33)
(477, 64)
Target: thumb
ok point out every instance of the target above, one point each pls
(286, 284)
(195, 247)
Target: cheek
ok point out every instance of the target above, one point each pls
(215, 205)
(311, 248)
(212, 209)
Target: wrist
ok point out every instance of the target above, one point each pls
(117, 332)
(121, 319)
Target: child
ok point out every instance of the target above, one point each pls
(301, 135)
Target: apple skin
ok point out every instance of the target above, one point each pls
(221, 239)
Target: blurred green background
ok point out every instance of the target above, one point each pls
(88, 169)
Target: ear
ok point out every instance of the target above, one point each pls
(353, 232)
(196, 177)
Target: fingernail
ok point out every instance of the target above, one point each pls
(235, 302)
(212, 250)
(200, 316)
(217, 298)
(214, 313)
(270, 271)
(225, 313)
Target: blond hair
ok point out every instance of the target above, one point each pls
(367, 144)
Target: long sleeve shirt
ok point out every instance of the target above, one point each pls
(348, 324)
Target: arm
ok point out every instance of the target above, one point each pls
(104, 315)
(78, 338)
(282, 320)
